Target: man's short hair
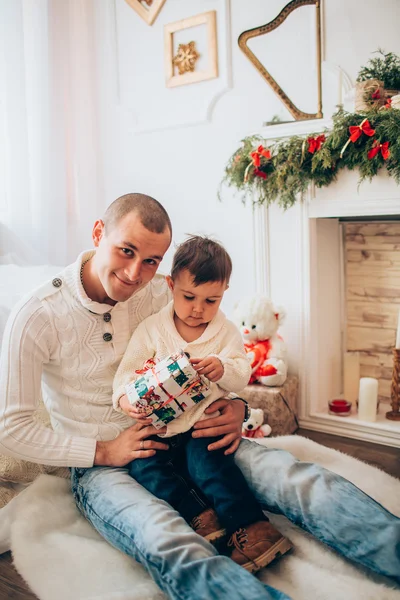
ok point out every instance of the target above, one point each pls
(151, 213)
(205, 259)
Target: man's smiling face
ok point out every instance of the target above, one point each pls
(127, 257)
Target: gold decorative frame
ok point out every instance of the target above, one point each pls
(148, 14)
(208, 19)
(263, 29)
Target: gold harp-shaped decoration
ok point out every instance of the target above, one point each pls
(298, 114)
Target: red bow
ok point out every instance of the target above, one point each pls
(315, 143)
(256, 155)
(149, 364)
(376, 95)
(357, 130)
(376, 147)
(260, 173)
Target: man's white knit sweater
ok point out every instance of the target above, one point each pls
(157, 337)
(60, 343)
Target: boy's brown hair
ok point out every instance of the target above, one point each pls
(205, 259)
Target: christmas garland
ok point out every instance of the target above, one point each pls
(284, 169)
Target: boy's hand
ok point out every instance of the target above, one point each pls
(211, 367)
(129, 410)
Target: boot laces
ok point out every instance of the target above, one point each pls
(196, 522)
(238, 539)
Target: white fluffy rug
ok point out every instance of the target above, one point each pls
(61, 557)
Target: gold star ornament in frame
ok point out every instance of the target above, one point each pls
(181, 61)
(186, 58)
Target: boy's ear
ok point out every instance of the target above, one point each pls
(170, 282)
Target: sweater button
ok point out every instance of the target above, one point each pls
(107, 337)
(107, 317)
(57, 282)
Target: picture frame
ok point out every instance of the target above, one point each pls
(150, 14)
(210, 21)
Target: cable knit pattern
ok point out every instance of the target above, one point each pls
(53, 346)
(157, 337)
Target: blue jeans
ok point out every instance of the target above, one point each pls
(184, 565)
(191, 479)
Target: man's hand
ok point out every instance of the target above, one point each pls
(211, 367)
(129, 445)
(228, 424)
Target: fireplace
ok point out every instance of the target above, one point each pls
(318, 280)
(353, 298)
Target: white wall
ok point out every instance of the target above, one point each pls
(152, 140)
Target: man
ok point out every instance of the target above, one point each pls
(68, 338)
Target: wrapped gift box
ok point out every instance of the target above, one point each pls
(166, 390)
(279, 404)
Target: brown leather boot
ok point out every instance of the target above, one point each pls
(207, 525)
(258, 544)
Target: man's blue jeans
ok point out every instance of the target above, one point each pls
(184, 565)
(191, 478)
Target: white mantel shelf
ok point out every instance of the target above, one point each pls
(285, 130)
(382, 431)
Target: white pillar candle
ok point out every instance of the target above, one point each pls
(398, 332)
(351, 376)
(368, 399)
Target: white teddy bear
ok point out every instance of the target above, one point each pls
(253, 427)
(259, 321)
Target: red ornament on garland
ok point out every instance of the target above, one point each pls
(315, 143)
(257, 154)
(260, 173)
(356, 132)
(376, 147)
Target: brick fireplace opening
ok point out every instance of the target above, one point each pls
(372, 296)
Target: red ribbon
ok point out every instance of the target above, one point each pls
(376, 95)
(257, 154)
(260, 173)
(149, 364)
(383, 148)
(315, 143)
(356, 131)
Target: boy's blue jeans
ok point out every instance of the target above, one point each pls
(185, 565)
(191, 479)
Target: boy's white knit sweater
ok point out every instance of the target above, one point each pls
(157, 337)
